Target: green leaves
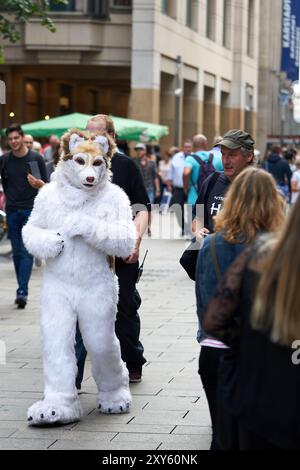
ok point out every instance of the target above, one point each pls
(14, 11)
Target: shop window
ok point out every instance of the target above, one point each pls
(65, 99)
(32, 100)
(92, 96)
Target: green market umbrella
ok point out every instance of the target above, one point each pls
(127, 129)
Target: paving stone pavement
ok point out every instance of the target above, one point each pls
(170, 409)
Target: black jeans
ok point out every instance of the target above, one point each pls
(179, 199)
(209, 361)
(127, 323)
(251, 441)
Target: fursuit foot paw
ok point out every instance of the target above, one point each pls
(46, 412)
(114, 402)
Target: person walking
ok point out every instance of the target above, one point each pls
(252, 206)
(127, 175)
(256, 311)
(195, 165)
(175, 181)
(280, 170)
(149, 172)
(20, 196)
(296, 182)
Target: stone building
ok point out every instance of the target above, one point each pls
(128, 57)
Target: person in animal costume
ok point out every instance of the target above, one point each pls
(78, 221)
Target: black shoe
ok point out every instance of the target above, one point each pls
(135, 377)
(21, 301)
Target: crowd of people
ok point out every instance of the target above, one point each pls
(244, 215)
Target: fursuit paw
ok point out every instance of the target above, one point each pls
(55, 247)
(114, 402)
(46, 412)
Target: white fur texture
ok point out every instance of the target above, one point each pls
(74, 228)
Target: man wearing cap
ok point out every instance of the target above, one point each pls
(237, 148)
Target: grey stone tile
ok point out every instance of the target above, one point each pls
(25, 444)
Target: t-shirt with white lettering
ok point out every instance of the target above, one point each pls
(214, 200)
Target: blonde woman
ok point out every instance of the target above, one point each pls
(252, 206)
(261, 291)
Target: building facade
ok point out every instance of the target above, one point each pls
(189, 64)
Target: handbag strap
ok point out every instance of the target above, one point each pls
(213, 252)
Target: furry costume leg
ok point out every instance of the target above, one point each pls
(97, 326)
(58, 322)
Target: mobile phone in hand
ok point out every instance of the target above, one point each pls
(34, 169)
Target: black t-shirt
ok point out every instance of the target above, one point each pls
(213, 200)
(14, 170)
(127, 175)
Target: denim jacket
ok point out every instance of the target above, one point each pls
(206, 278)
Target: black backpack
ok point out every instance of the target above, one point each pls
(205, 170)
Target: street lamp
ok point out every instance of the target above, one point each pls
(178, 94)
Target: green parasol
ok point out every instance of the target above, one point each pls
(127, 129)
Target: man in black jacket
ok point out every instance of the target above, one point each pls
(20, 195)
(127, 175)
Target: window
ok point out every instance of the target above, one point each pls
(169, 7)
(92, 96)
(32, 100)
(65, 99)
(250, 41)
(98, 8)
(70, 6)
(227, 24)
(188, 13)
(211, 19)
(191, 14)
(122, 3)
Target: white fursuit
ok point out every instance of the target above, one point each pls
(77, 221)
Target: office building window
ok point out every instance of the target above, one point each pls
(169, 7)
(70, 6)
(191, 14)
(227, 24)
(188, 13)
(32, 100)
(211, 18)
(122, 3)
(65, 99)
(250, 40)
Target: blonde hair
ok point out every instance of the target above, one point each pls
(277, 303)
(297, 162)
(252, 205)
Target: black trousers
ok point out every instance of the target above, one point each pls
(209, 361)
(251, 441)
(179, 198)
(127, 325)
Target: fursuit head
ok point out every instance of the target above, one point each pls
(77, 222)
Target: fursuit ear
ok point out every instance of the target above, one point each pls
(100, 139)
(75, 139)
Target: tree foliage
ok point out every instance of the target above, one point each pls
(14, 11)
